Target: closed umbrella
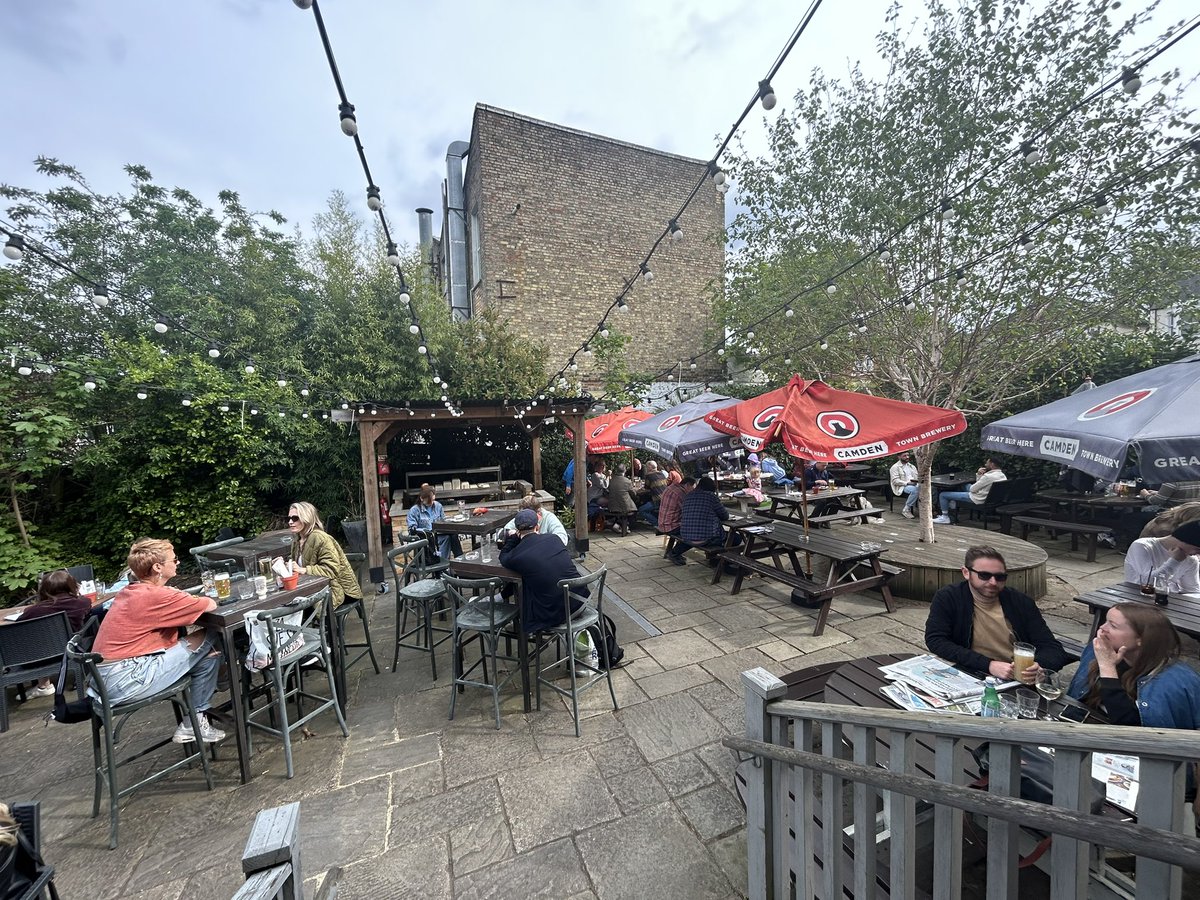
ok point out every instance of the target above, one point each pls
(680, 432)
(1152, 414)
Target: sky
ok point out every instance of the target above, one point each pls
(236, 94)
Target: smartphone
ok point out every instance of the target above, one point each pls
(1074, 714)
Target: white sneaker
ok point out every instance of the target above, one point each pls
(907, 513)
(42, 691)
(210, 735)
(942, 520)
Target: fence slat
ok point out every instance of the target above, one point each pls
(781, 840)
(947, 822)
(759, 687)
(1069, 857)
(804, 785)
(1160, 804)
(902, 819)
(865, 802)
(1004, 780)
(832, 817)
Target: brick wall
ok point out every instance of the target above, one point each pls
(564, 217)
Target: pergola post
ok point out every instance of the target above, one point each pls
(579, 488)
(368, 434)
(536, 444)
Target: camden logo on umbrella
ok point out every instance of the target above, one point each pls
(838, 424)
(1116, 404)
(600, 429)
(669, 422)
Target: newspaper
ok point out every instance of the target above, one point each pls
(930, 674)
(1119, 774)
(906, 697)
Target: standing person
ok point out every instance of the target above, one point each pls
(701, 516)
(975, 623)
(1173, 557)
(569, 477)
(315, 552)
(422, 515)
(542, 561)
(903, 478)
(139, 639)
(548, 522)
(622, 504)
(987, 475)
(57, 592)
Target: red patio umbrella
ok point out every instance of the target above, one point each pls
(821, 423)
(601, 433)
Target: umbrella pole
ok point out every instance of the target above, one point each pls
(804, 520)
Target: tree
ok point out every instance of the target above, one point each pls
(858, 169)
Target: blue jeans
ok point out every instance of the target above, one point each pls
(649, 512)
(945, 498)
(913, 492)
(142, 676)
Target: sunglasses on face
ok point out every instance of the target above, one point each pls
(293, 519)
(988, 576)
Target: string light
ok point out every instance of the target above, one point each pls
(960, 277)
(718, 177)
(24, 369)
(647, 275)
(100, 295)
(14, 247)
(1030, 153)
(393, 254)
(423, 350)
(374, 201)
(250, 366)
(830, 288)
(910, 304)
(306, 390)
(223, 406)
(622, 306)
(281, 381)
(414, 329)
(1026, 241)
(885, 253)
(89, 383)
(254, 410)
(405, 298)
(303, 4)
(349, 121)
(603, 330)
(767, 94)
(187, 400)
(1130, 80)
(1100, 205)
(824, 345)
(141, 393)
(948, 213)
(676, 231)
(789, 312)
(861, 324)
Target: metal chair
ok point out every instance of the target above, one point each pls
(564, 635)
(109, 718)
(200, 554)
(365, 647)
(421, 591)
(30, 649)
(28, 817)
(295, 646)
(480, 613)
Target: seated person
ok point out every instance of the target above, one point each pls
(974, 623)
(542, 561)
(670, 511)
(817, 475)
(1170, 519)
(1169, 496)
(548, 522)
(1173, 558)
(422, 515)
(1171, 493)
(753, 488)
(770, 467)
(597, 494)
(903, 481)
(57, 592)
(139, 639)
(656, 482)
(713, 465)
(701, 515)
(622, 504)
(1132, 674)
(987, 475)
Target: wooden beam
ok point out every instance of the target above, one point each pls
(574, 421)
(536, 443)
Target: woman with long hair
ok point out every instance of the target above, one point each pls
(315, 552)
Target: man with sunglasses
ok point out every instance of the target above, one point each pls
(975, 623)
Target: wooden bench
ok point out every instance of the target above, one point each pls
(842, 514)
(1075, 529)
(674, 540)
(271, 860)
(1026, 508)
(1074, 648)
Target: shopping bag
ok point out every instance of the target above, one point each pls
(261, 652)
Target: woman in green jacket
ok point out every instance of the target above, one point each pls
(317, 553)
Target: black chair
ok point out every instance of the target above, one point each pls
(364, 647)
(24, 867)
(200, 554)
(419, 590)
(295, 647)
(30, 649)
(109, 718)
(480, 612)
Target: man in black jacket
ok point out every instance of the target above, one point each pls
(542, 561)
(974, 623)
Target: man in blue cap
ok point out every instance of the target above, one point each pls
(542, 561)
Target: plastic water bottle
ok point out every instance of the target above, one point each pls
(990, 709)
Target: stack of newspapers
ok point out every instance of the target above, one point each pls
(928, 683)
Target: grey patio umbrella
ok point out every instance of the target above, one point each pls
(681, 432)
(1153, 413)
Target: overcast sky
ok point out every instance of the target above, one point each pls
(214, 94)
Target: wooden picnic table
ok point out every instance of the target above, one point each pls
(1077, 503)
(769, 543)
(953, 480)
(796, 506)
(1183, 610)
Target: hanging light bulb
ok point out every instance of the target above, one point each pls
(767, 94)
(254, 410)
(393, 255)
(374, 410)
(1030, 153)
(830, 287)
(603, 330)
(824, 345)
(885, 253)
(160, 325)
(89, 383)
(647, 275)
(349, 122)
(304, 415)
(572, 365)
(723, 187)
(960, 277)
(692, 363)
(281, 413)
(948, 213)
(374, 201)
(789, 312)
(437, 379)
(361, 409)
(1100, 205)
(787, 360)
(306, 390)
(749, 335)
(187, 399)
(622, 306)
(910, 304)
(1130, 80)
(223, 406)
(141, 393)
(670, 376)
(250, 366)
(14, 247)
(345, 404)
(718, 176)
(214, 351)
(405, 297)
(676, 231)
(281, 381)
(861, 325)
(422, 349)
(1026, 242)
(414, 329)
(720, 351)
(587, 350)
(100, 295)
(303, 4)
(24, 369)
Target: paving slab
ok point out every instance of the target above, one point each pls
(636, 789)
(376, 758)
(550, 872)
(669, 726)
(682, 648)
(555, 798)
(712, 811)
(683, 774)
(420, 871)
(673, 681)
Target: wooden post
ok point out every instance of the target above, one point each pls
(536, 444)
(368, 434)
(574, 421)
(274, 840)
(763, 839)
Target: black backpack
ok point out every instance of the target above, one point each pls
(604, 636)
(70, 712)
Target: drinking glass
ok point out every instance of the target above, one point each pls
(1160, 590)
(221, 580)
(486, 550)
(260, 586)
(1009, 708)
(1023, 657)
(245, 588)
(206, 579)
(1027, 703)
(1049, 685)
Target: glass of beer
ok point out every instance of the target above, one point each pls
(221, 580)
(1022, 659)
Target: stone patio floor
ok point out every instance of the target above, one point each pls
(414, 805)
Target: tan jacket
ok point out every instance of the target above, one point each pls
(325, 557)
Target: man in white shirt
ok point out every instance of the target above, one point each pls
(1173, 558)
(903, 476)
(987, 475)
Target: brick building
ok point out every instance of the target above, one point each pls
(551, 221)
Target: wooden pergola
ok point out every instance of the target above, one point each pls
(383, 422)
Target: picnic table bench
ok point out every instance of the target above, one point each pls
(1075, 529)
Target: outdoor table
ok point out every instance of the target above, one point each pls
(475, 526)
(953, 480)
(1183, 610)
(764, 552)
(1076, 503)
(471, 565)
(228, 620)
(799, 505)
(267, 545)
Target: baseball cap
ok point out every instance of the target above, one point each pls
(525, 520)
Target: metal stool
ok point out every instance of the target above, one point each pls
(418, 590)
(480, 613)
